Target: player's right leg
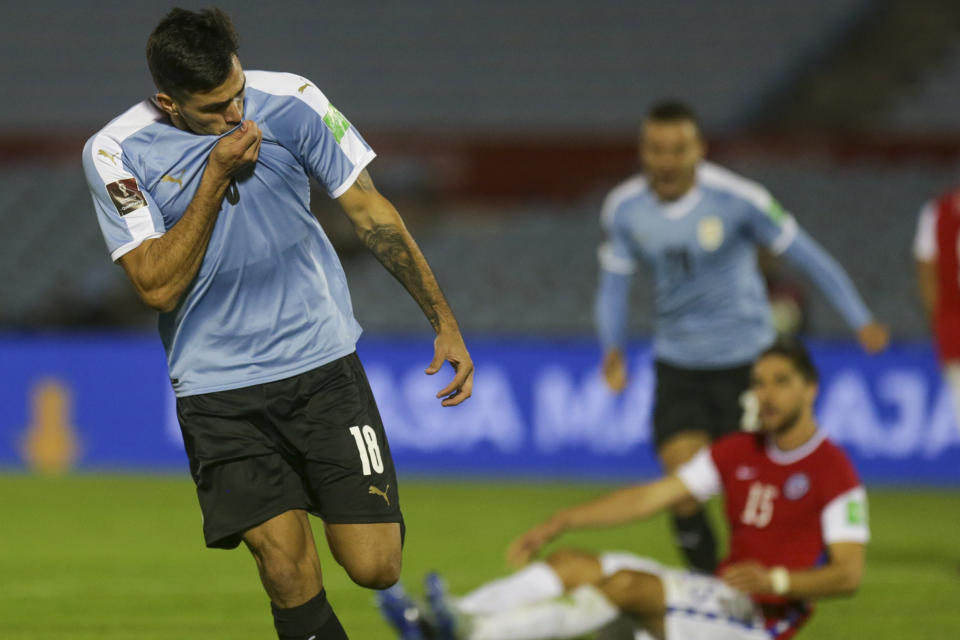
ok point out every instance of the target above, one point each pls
(289, 568)
(249, 491)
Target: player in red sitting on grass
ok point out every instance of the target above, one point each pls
(798, 529)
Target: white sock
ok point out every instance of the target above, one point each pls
(531, 584)
(585, 609)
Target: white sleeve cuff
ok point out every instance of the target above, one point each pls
(788, 233)
(360, 166)
(925, 242)
(700, 476)
(613, 263)
(122, 250)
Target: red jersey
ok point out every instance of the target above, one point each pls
(938, 240)
(783, 507)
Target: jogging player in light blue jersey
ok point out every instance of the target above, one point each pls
(203, 196)
(698, 226)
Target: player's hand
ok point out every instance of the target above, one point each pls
(748, 577)
(236, 150)
(526, 546)
(449, 347)
(615, 370)
(873, 337)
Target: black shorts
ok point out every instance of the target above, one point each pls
(706, 400)
(314, 442)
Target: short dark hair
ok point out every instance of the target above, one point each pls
(797, 354)
(672, 111)
(191, 51)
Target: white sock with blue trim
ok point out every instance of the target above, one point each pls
(533, 583)
(585, 609)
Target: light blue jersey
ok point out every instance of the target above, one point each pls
(710, 303)
(270, 299)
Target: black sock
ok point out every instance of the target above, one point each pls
(312, 620)
(695, 539)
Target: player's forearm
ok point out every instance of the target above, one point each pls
(610, 309)
(619, 507)
(170, 262)
(830, 278)
(824, 582)
(388, 239)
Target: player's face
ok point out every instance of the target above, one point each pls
(212, 112)
(670, 152)
(783, 394)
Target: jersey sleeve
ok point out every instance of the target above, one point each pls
(330, 148)
(844, 519)
(768, 223)
(615, 253)
(844, 514)
(125, 210)
(700, 476)
(925, 240)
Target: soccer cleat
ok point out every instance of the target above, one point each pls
(445, 619)
(401, 612)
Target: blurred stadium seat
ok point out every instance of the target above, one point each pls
(469, 103)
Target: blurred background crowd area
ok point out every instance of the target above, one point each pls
(500, 125)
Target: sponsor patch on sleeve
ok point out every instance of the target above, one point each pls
(126, 195)
(775, 212)
(856, 513)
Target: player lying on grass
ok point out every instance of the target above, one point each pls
(798, 528)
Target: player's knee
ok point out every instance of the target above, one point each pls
(636, 592)
(574, 567)
(374, 572)
(284, 573)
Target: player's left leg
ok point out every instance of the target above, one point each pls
(348, 470)
(370, 553)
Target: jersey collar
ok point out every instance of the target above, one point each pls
(682, 206)
(779, 456)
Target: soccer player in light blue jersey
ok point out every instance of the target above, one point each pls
(203, 197)
(697, 226)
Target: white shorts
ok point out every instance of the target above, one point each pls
(699, 607)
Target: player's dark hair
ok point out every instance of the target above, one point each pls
(191, 51)
(797, 354)
(672, 111)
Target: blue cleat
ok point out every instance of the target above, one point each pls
(444, 622)
(401, 612)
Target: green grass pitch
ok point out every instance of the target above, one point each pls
(120, 556)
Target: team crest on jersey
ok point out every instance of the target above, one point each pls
(710, 233)
(126, 196)
(796, 486)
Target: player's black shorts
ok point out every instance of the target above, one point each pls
(314, 442)
(698, 400)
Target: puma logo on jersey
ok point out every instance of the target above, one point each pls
(375, 491)
(304, 87)
(174, 179)
(111, 156)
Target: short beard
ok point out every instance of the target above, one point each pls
(788, 422)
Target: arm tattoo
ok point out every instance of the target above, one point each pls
(395, 250)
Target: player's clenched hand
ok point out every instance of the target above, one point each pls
(449, 347)
(236, 150)
(748, 577)
(873, 337)
(615, 370)
(526, 546)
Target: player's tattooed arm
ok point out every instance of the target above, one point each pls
(382, 230)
